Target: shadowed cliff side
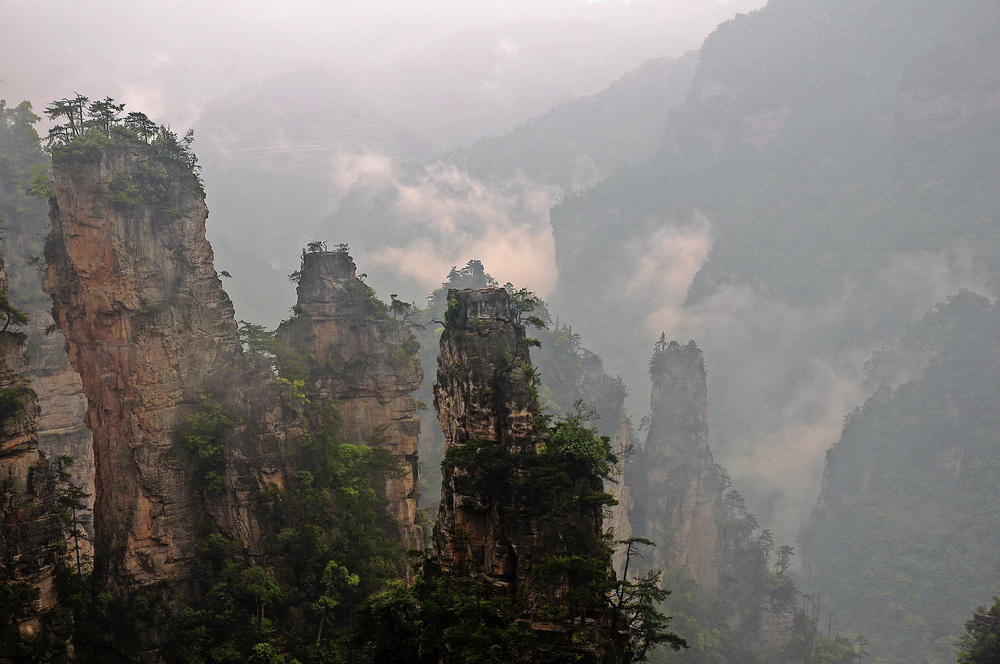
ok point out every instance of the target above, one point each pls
(62, 431)
(520, 507)
(30, 529)
(364, 363)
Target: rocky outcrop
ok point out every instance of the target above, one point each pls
(499, 520)
(482, 397)
(616, 519)
(30, 528)
(62, 409)
(364, 364)
(61, 426)
(150, 330)
(675, 475)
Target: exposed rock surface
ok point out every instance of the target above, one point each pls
(366, 365)
(496, 521)
(61, 426)
(30, 529)
(617, 518)
(150, 329)
(679, 485)
(482, 394)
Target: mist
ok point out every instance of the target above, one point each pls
(506, 59)
(792, 185)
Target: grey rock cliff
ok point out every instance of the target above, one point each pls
(675, 473)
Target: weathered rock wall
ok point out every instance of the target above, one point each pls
(30, 529)
(149, 329)
(617, 517)
(364, 362)
(61, 426)
(481, 396)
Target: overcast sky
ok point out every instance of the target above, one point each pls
(171, 57)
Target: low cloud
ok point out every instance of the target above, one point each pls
(781, 377)
(408, 226)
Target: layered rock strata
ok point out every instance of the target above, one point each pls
(482, 396)
(365, 364)
(497, 521)
(62, 430)
(150, 330)
(675, 473)
(30, 527)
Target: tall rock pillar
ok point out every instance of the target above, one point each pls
(150, 330)
(515, 506)
(677, 488)
(366, 365)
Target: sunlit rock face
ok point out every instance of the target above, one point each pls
(30, 530)
(366, 366)
(678, 488)
(496, 521)
(150, 329)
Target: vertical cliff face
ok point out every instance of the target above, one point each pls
(482, 398)
(149, 329)
(617, 519)
(61, 426)
(675, 472)
(30, 529)
(506, 515)
(366, 365)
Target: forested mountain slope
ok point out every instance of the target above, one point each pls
(906, 535)
(813, 133)
(831, 175)
(582, 141)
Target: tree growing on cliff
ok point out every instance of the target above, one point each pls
(11, 314)
(981, 642)
(100, 124)
(634, 606)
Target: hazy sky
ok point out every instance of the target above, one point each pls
(170, 57)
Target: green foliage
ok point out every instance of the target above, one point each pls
(980, 644)
(11, 402)
(576, 442)
(166, 171)
(21, 162)
(809, 646)
(522, 303)
(258, 340)
(41, 184)
(335, 543)
(12, 315)
(452, 315)
(380, 307)
(202, 434)
(458, 618)
(105, 623)
(907, 536)
(150, 184)
(404, 311)
(635, 605)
